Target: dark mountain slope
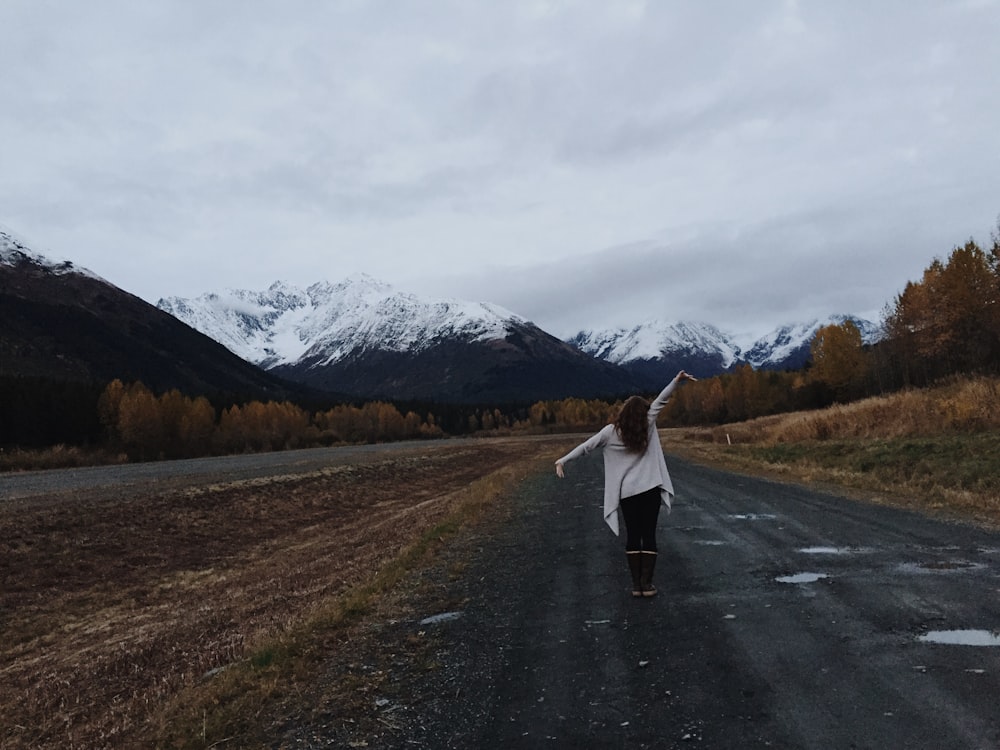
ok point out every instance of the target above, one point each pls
(61, 323)
(526, 365)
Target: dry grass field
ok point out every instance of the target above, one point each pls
(162, 620)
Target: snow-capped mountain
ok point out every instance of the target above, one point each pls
(649, 349)
(787, 347)
(326, 323)
(364, 338)
(657, 340)
(64, 323)
(653, 349)
(360, 338)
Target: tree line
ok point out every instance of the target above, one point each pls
(945, 324)
(172, 425)
(144, 425)
(131, 420)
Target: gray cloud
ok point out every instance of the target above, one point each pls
(583, 163)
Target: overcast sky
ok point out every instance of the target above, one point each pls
(584, 164)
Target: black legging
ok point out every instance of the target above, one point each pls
(641, 512)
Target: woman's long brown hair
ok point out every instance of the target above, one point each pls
(631, 424)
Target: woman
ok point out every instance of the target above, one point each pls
(635, 478)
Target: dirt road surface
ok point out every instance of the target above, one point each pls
(786, 618)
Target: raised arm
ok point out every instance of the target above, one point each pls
(660, 401)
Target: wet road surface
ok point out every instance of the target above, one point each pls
(786, 618)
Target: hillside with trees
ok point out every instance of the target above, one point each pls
(945, 324)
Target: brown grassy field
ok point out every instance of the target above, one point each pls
(163, 619)
(936, 449)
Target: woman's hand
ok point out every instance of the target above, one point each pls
(559, 470)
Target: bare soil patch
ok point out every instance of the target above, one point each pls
(112, 606)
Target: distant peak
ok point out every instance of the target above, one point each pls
(14, 251)
(362, 277)
(366, 281)
(329, 321)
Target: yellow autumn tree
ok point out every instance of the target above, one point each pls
(838, 358)
(109, 405)
(948, 322)
(197, 427)
(140, 424)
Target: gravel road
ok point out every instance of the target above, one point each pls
(786, 618)
(156, 476)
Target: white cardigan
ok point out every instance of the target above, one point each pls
(627, 473)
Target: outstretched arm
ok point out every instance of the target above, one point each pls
(590, 444)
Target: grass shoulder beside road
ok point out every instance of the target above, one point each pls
(934, 450)
(957, 476)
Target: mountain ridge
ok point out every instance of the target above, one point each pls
(66, 323)
(701, 347)
(356, 335)
(363, 337)
(358, 338)
(283, 324)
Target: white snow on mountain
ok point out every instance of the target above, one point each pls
(783, 342)
(14, 250)
(656, 340)
(327, 322)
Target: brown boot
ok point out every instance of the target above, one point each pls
(647, 565)
(635, 568)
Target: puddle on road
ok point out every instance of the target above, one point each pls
(752, 516)
(443, 617)
(940, 566)
(802, 578)
(833, 550)
(710, 542)
(947, 565)
(962, 637)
